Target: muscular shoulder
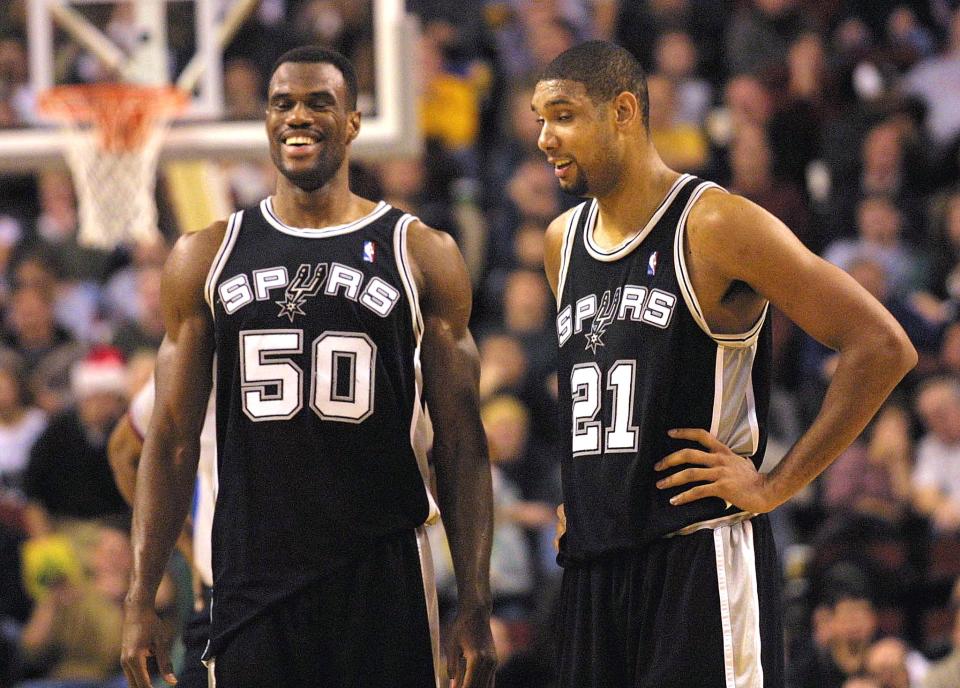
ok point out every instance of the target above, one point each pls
(727, 231)
(440, 273)
(188, 264)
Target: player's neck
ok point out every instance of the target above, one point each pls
(627, 208)
(331, 204)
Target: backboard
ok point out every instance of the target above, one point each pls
(389, 130)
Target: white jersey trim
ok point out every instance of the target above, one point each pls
(736, 340)
(739, 605)
(566, 250)
(627, 246)
(421, 427)
(270, 215)
(220, 259)
(433, 610)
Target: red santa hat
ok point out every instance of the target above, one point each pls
(102, 370)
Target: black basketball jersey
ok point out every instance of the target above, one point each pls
(318, 402)
(637, 359)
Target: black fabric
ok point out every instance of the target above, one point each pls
(667, 366)
(70, 476)
(196, 632)
(365, 625)
(650, 618)
(304, 487)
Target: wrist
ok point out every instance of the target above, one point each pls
(771, 496)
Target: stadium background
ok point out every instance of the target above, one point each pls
(841, 117)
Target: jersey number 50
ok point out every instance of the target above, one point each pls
(341, 382)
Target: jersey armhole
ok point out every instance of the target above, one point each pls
(566, 249)
(406, 273)
(737, 340)
(220, 259)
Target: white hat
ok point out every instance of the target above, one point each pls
(103, 370)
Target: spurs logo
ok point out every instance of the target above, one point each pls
(606, 314)
(306, 284)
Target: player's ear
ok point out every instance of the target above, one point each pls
(353, 125)
(626, 109)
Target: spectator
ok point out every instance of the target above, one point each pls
(751, 165)
(946, 672)
(681, 145)
(146, 329)
(68, 474)
(242, 90)
(936, 477)
(871, 479)
(936, 80)
(677, 60)
(32, 330)
(879, 226)
(15, 84)
(503, 365)
(890, 661)
(20, 422)
(75, 626)
(760, 33)
(850, 624)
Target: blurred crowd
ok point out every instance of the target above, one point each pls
(841, 117)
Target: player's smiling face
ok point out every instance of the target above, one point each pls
(309, 122)
(577, 136)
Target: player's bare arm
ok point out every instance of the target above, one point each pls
(168, 465)
(738, 255)
(123, 452)
(451, 372)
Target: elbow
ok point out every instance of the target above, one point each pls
(898, 351)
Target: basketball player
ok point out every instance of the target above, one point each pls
(320, 307)
(664, 284)
(123, 451)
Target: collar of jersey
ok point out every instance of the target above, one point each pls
(625, 248)
(266, 207)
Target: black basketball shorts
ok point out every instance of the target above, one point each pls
(700, 610)
(373, 624)
(193, 674)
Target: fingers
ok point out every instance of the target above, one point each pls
(686, 456)
(688, 475)
(135, 669)
(165, 665)
(453, 666)
(697, 435)
(479, 672)
(695, 493)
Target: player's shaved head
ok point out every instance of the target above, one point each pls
(311, 54)
(605, 69)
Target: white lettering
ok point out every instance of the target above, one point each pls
(586, 308)
(270, 278)
(349, 279)
(380, 297)
(235, 293)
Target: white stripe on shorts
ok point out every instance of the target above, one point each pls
(433, 612)
(739, 605)
(211, 677)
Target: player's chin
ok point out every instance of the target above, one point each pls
(577, 186)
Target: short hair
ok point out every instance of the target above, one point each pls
(317, 55)
(605, 69)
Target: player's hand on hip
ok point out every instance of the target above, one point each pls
(472, 659)
(144, 636)
(731, 477)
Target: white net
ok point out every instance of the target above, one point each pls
(113, 135)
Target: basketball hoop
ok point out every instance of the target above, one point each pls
(114, 133)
